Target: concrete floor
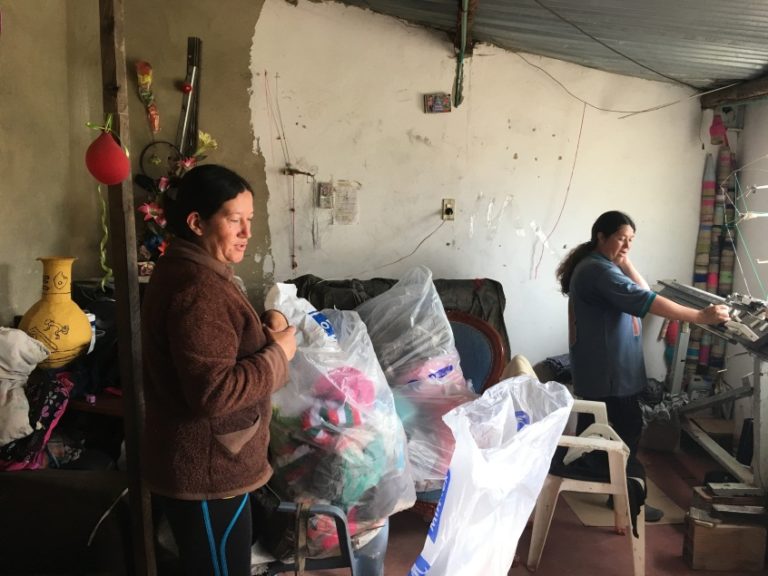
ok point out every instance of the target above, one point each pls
(575, 550)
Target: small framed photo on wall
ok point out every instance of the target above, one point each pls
(437, 102)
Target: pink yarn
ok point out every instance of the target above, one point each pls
(346, 383)
(321, 530)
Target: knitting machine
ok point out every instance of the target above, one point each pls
(748, 325)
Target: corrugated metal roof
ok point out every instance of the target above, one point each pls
(702, 43)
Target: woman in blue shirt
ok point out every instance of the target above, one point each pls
(607, 299)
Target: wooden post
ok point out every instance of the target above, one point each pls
(123, 253)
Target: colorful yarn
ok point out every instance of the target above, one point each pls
(346, 383)
(323, 420)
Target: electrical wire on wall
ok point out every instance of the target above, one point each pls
(293, 172)
(411, 253)
(567, 192)
(275, 118)
(627, 113)
(275, 121)
(611, 48)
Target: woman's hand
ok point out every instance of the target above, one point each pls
(279, 332)
(275, 320)
(623, 262)
(713, 314)
(286, 339)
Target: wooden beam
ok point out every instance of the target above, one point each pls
(123, 254)
(719, 454)
(750, 90)
(716, 399)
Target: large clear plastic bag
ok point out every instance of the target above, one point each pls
(505, 441)
(415, 346)
(335, 435)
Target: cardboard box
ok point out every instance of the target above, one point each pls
(726, 547)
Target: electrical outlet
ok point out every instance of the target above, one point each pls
(449, 209)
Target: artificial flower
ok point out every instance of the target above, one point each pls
(205, 142)
(187, 163)
(152, 211)
(156, 237)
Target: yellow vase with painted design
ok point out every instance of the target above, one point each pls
(55, 320)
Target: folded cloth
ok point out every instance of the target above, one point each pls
(19, 354)
(14, 412)
(593, 467)
(560, 367)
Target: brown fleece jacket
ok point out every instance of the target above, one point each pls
(209, 373)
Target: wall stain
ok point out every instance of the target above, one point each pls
(418, 138)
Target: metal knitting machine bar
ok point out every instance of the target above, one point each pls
(748, 325)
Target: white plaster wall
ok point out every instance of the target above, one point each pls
(342, 89)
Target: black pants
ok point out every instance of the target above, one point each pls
(213, 536)
(625, 417)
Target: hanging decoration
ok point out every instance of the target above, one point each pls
(163, 163)
(105, 158)
(718, 134)
(162, 166)
(147, 97)
(108, 274)
(108, 163)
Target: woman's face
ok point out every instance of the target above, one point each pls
(616, 246)
(225, 234)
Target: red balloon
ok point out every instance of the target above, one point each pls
(107, 161)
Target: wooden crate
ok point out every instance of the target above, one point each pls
(727, 547)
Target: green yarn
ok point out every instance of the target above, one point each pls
(104, 239)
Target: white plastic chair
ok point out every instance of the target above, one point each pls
(598, 436)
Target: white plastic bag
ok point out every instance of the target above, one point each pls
(505, 441)
(335, 436)
(415, 346)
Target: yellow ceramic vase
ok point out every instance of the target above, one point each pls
(55, 320)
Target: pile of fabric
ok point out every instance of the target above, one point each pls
(23, 404)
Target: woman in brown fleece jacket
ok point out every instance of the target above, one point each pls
(210, 367)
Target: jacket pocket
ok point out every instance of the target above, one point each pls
(235, 440)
